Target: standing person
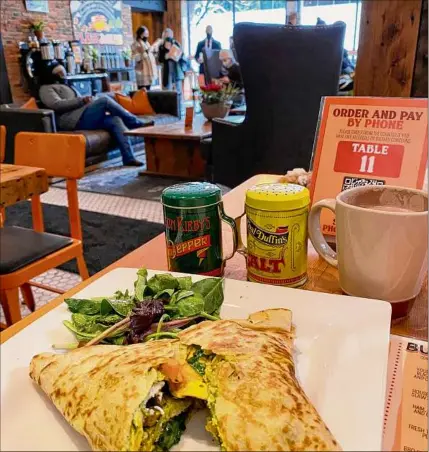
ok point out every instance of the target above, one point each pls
(293, 19)
(208, 43)
(143, 53)
(75, 112)
(170, 56)
(232, 47)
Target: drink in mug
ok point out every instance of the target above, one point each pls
(382, 242)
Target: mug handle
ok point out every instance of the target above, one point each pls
(317, 239)
(241, 247)
(224, 217)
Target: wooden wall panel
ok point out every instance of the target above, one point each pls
(153, 21)
(387, 47)
(420, 78)
(173, 18)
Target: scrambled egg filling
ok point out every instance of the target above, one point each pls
(179, 381)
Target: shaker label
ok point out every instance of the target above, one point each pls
(202, 243)
(277, 238)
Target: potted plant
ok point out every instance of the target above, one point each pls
(37, 28)
(126, 54)
(216, 100)
(94, 54)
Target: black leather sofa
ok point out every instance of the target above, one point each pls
(99, 144)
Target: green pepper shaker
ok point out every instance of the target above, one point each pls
(193, 212)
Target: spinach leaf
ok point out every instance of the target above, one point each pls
(180, 294)
(119, 295)
(164, 294)
(119, 340)
(79, 334)
(140, 284)
(83, 306)
(185, 282)
(189, 306)
(109, 319)
(121, 307)
(195, 362)
(87, 323)
(172, 432)
(161, 282)
(211, 289)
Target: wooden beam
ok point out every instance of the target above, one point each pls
(387, 47)
(420, 77)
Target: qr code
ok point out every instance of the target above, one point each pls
(351, 182)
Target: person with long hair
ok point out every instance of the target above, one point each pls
(74, 112)
(170, 56)
(143, 52)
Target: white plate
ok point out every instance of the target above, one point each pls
(342, 349)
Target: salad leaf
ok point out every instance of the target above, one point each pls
(190, 306)
(185, 282)
(119, 295)
(109, 319)
(140, 284)
(121, 307)
(83, 306)
(162, 282)
(164, 294)
(211, 289)
(79, 334)
(180, 294)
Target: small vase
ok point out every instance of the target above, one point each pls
(127, 63)
(211, 111)
(39, 34)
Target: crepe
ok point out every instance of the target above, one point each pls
(103, 390)
(243, 369)
(255, 400)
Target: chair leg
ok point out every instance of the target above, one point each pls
(10, 302)
(27, 294)
(81, 265)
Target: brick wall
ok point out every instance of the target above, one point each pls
(14, 20)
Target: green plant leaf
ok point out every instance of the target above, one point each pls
(164, 294)
(179, 295)
(79, 334)
(185, 282)
(161, 282)
(211, 289)
(121, 307)
(83, 306)
(190, 306)
(109, 319)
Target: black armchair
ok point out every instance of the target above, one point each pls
(286, 71)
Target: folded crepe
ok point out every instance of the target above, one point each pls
(138, 397)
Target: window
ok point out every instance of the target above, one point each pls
(223, 14)
(331, 11)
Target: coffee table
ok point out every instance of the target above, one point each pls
(173, 149)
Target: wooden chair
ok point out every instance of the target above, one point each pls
(27, 253)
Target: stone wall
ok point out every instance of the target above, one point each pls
(14, 23)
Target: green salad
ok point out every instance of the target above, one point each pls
(159, 307)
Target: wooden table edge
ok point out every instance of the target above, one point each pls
(17, 327)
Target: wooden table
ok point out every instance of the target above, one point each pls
(173, 149)
(322, 277)
(18, 183)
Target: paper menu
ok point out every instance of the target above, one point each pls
(406, 415)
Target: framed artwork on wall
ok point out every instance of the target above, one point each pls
(37, 6)
(97, 21)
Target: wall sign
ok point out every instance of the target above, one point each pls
(368, 141)
(97, 21)
(37, 6)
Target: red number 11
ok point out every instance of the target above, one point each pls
(365, 160)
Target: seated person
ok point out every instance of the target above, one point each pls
(231, 73)
(75, 112)
(230, 69)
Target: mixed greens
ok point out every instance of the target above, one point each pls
(159, 307)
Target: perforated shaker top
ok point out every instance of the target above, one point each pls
(191, 194)
(277, 197)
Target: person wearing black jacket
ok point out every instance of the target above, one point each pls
(208, 43)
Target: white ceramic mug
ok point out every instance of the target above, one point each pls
(382, 242)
